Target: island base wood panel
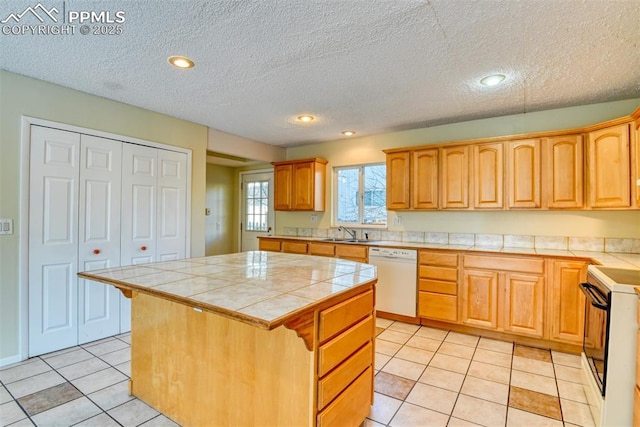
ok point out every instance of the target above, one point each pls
(200, 368)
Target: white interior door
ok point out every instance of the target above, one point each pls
(53, 239)
(172, 206)
(99, 235)
(257, 208)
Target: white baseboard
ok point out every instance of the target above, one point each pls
(10, 360)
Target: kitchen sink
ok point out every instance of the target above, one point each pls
(342, 240)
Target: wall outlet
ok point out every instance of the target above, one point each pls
(397, 220)
(6, 226)
(314, 219)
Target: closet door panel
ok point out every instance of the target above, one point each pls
(53, 239)
(99, 235)
(172, 199)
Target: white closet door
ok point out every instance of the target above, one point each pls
(53, 240)
(172, 205)
(139, 192)
(99, 235)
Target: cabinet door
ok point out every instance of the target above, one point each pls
(398, 174)
(99, 235)
(609, 168)
(523, 173)
(303, 186)
(424, 179)
(282, 187)
(524, 304)
(488, 160)
(567, 301)
(564, 176)
(480, 298)
(53, 240)
(636, 155)
(454, 166)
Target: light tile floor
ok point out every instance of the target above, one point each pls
(424, 377)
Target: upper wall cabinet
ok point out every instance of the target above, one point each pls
(523, 173)
(596, 167)
(563, 171)
(488, 182)
(609, 167)
(454, 174)
(398, 173)
(300, 185)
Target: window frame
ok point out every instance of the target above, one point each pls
(361, 193)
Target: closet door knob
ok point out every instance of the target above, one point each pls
(144, 248)
(96, 251)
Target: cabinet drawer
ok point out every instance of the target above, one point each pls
(344, 345)
(322, 249)
(294, 247)
(438, 306)
(345, 314)
(352, 252)
(438, 273)
(636, 406)
(524, 265)
(352, 406)
(438, 286)
(269, 245)
(333, 384)
(638, 360)
(437, 258)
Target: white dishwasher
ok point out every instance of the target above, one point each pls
(396, 290)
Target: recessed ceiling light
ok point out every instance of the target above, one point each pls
(349, 132)
(306, 118)
(181, 62)
(493, 80)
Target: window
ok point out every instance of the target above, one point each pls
(360, 196)
(257, 206)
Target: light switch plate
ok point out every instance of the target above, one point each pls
(6, 226)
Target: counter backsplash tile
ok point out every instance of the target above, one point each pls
(517, 241)
(413, 236)
(461, 239)
(436, 237)
(290, 231)
(489, 240)
(591, 244)
(319, 232)
(622, 245)
(552, 242)
(304, 232)
(542, 244)
(394, 236)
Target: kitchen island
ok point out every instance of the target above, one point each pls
(254, 338)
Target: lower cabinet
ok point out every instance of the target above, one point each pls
(504, 294)
(358, 253)
(438, 286)
(566, 302)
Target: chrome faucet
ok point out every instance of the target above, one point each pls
(351, 233)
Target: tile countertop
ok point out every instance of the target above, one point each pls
(264, 289)
(609, 259)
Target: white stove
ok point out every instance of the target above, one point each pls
(609, 357)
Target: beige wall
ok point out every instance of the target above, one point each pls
(568, 223)
(24, 96)
(220, 235)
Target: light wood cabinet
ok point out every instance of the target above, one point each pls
(563, 165)
(609, 167)
(454, 176)
(524, 304)
(398, 185)
(438, 286)
(523, 173)
(300, 185)
(636, 155)
(350, 251)
(488, 173)
(480, 298)
(504, 294)
(566, 314)
(294, 247)
(358, 253)
(424, 179)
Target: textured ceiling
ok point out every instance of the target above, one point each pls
(370, 66)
